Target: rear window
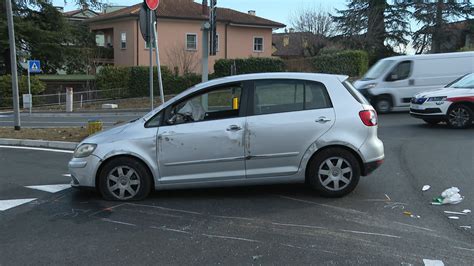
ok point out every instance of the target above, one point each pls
(356, 94)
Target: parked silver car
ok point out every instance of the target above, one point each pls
(240, 130)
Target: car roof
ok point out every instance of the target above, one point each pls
(238, 78)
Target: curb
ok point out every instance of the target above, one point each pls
(63, 145)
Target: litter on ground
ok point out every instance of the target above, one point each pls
(465, 226)
(457, 213)
(425, 188)
(453, 217)
(449, 196)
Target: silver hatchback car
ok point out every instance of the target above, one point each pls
(240, 130)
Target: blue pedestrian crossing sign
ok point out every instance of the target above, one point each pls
(34, 66)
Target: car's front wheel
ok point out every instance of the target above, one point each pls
(334, 172)
(460, 116)
(124, 179)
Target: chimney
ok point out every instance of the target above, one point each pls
(205, 8)
(85, 6)
(292, 30)
(252, 13)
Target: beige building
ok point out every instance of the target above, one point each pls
(240, 35)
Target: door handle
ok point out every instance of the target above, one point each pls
(234, 128)
(323, 120)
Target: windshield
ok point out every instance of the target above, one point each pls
(466, 82)
(378, 69)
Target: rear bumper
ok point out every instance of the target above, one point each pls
(368, 168)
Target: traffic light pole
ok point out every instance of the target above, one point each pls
(11, 36)
(150, 44)
(205, 52)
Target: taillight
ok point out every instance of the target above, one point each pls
(368, 117)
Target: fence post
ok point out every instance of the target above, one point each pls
(69, 100)
(59, 98)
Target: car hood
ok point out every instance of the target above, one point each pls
(449, 92)
(108, 135)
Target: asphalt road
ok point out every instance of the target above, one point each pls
(49, 120)
(284, 224)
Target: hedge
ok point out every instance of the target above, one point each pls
(37, 87)
(222, 67)
(135, 80)
(353, 63)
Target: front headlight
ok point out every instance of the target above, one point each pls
(84, 150)
(437, 99)
(369, 86)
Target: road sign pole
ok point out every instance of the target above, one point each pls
(158, 65)
(150, 44)
(29, 88)
(11, 36)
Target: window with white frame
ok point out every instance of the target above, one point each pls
(123, 40)
(258, 44)
(191, 41)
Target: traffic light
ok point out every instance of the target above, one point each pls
(213, 21)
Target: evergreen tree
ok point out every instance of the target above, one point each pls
(433, 17)
(374, 25)
(41, 32)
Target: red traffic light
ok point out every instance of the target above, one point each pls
(152, 4)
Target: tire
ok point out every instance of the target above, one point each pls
(383, 105)
(432, 121)
(319, 172)
(459, 116)
(118, 183)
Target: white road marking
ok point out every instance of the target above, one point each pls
(298, 225)
(117, 222)
(231, 238)
(171, 230)
(35, 149)
(51, 188)
(418, 227)
(428, 262)
(457, 213)
(323, 205)
(8, 204)
(468, 249)
(163, 208)
(67, 175)
(369, 233)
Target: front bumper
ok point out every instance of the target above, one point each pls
(83, 171)
(433, 110)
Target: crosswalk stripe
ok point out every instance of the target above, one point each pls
(51, 188)
(8, 204)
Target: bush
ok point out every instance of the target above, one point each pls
(222, 67)
(135, 80)
(351, 62)
(37, 87)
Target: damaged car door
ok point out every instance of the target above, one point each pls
(286, 116)
(202, 137)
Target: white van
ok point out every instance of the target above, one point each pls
(393, 81)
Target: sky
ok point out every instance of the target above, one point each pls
(277, 10)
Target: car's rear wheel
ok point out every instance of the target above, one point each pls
(432, 121)
(383, 105)
(459, 116)
(334, 172)
(124, 179)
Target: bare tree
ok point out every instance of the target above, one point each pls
(182, 60)
(315, 20)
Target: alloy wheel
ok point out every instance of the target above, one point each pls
(123, 182)
(335, 173)
(459, 117)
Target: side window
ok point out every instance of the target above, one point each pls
(401, 71)
(155, 121)
(220, 103)
(316, 96)
(277, 96)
